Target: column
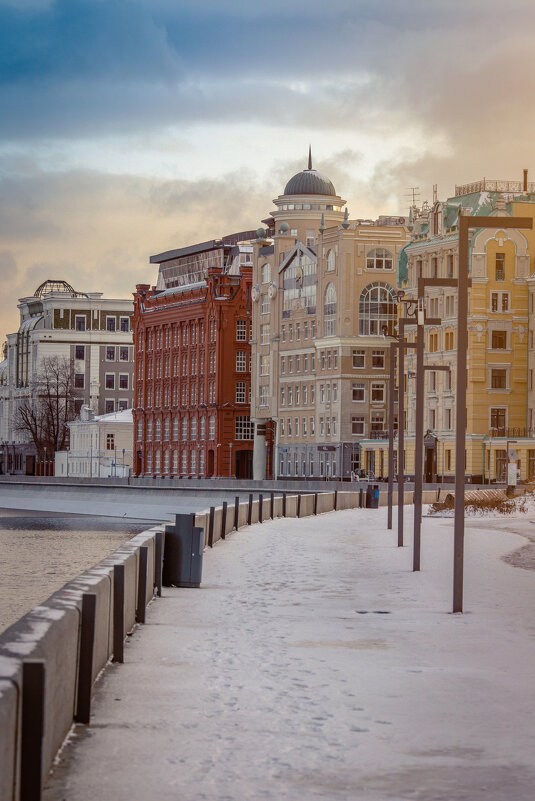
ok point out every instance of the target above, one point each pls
(259, 452)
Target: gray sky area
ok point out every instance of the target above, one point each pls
(128, 127)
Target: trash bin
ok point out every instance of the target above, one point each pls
(372, 496)
(182, 556)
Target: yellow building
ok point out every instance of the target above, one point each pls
(501, 354)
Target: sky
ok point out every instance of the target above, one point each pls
(130, 127)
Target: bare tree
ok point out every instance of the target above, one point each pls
(43, 417)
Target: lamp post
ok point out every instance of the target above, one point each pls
(511, 469)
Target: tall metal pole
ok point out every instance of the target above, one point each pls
(419, 439)
(401, 431)
(460, 415)
(391, 390)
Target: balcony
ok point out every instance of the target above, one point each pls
(511, 433)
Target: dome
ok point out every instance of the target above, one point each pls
(55, 285)
(310, 182)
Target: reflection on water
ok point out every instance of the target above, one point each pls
(40, 552)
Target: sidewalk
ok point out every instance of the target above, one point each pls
(313, 664)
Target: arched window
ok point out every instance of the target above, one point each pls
(158, 435)
(329, 312)
(166, 427)
(157, 461)
(331, 260)
(379, 259)
(377, 310)
(266, 273)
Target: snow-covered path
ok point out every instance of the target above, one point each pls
(313, 664)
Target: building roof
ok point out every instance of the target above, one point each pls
(125, 416)
(57, 285)
(310, 182)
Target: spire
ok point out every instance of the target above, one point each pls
(310, 157)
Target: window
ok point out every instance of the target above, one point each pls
(432, 381)
(297, 395)
(123, 381)
(241, 330)
(149, 430)
(291, 333)
(110, 381)
(79, 352)
(79, 380)
(111, 323)
(358, 392)
(498, 419)
(123, 354)
(298, 332)
(240, 392)
(193, 434)
(283, 398)
(110, 353)
(500, 266)
(80, 322)
(296, 427)
(264, 306)
(166, 429)
(305, 363)
(447, 420)
(378, 359)
(377, 422)
(290, 364)
(109, 406)
(282, 427)
(499, 340)
(310, 237)
(298, 363)
(499, 301)
(124, 324)
(331, 259)
(359, 358)
(357, 424)
(244, 429)
(304, 426)
(449, 340)
(433, 341)
(265, 272)
(264, 364)
(379, 259)
(290, 396)
(450, 305)
(329, 312)
(305, 395)
(283, 364)
(449, 265)
(498, 379)
(110, 442)
(263, 397)
(432, 419)
(158, 431)
(264, 334)
(378, 393)
(211, 427)
(377, 310)
(241, 361)
(184, 428)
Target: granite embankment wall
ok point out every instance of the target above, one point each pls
(53, 637)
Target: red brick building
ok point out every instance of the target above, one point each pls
(193, 362)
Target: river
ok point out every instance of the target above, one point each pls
(41, 551)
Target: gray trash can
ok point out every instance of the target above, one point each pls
(372, 496)
(182, 556)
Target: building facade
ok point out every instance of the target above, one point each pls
(192, 362)
(91, 332)
(100, 446)
(324, 309)
(501, 353)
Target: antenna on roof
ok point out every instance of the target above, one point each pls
(310, 157)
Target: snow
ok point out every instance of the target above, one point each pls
(314, 664)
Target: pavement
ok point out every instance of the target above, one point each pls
(313, 664)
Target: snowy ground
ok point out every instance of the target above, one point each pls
(313, 664)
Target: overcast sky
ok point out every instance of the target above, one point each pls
(128, 127)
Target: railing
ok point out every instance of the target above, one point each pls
(511, 433)
(487, 185)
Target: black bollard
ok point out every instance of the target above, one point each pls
(284, 504)
(260, 508)
(118, 613)
(272, 504)
(224, 521)
(236, 512)
(211, 527)
(85, 660)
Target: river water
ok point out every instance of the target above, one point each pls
(41, 551)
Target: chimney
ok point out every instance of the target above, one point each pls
(525, 180)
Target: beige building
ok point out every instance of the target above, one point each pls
(501, 347)
(100, 446)
(324, 305)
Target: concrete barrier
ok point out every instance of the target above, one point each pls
(325, 502)
(348, 500)
(9, 723)
(277, 506)
(51, 633)
(307, 505)
(242, 514)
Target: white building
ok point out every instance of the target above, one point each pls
(100, 446)
(93, 333)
